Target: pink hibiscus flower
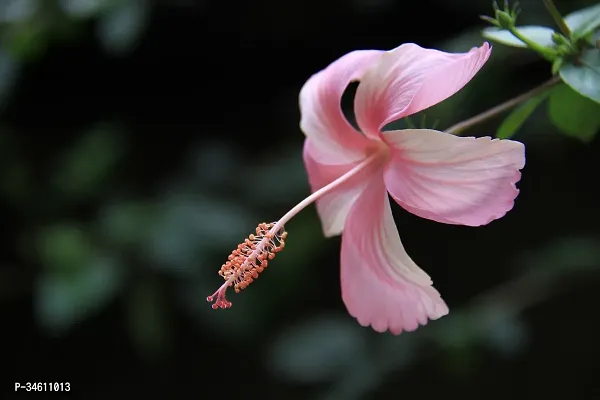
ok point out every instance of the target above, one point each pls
(439, 176)
(435, 175)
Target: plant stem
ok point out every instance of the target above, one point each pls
(500, 108)
(324, 190)
(558, 19)
(548, 53)
(219, 296)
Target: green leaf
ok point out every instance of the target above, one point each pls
(17, 11)
(317, 350)
(9, 74)
(63, 300)
(583, 22)
(538, 34)
(515, 119)
(191, 226)
(459, 332)
(129, 222)
(64, 248)
(503, 330)
(573, 114)
(82, 8)
(562, 256)
(25, 41)
(86, 165)
(584, 77)
(121, 28)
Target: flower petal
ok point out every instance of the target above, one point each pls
(333, 207)
(381, 285)
(409, 79)
(455, 180)
(334, 140)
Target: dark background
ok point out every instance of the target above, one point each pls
(140, 142)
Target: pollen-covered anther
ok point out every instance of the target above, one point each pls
(248, 260)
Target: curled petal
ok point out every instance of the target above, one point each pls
(381, 285)
(334, 140)
(450, 179)
(333, 208)
(409, 79)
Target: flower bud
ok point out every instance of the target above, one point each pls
(560, 39)
(505, 19)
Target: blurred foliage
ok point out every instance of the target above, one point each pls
(573, 114)
(28, 26)
(573, 51)
(519, 115)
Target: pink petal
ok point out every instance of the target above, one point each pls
(334, 140)
(450, 179)
(333, 208)
(409, 79)
(381, 285)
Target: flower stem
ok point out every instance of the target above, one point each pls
(220, 293)
(558, 19)
(324, 190)
(500, 108)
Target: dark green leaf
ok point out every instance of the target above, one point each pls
(458, 332)
(192, 225)
(318, 350)
(569, 254)
(595, 39)
(9, 71)
(87, 164)
(573, 114)
(83, 8)
(17, 11)
(584, 21)
(120, 28)
(26, 41)
(64, 248)
(63, 300)
(515, 119)
(129, 222)
(504, 331)
(538, 34)
(584, 75)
